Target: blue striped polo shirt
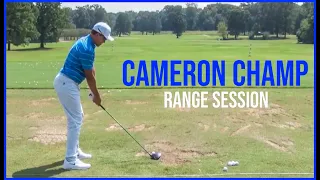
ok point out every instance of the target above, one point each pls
(81, 57)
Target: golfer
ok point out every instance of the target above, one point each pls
(77, 67)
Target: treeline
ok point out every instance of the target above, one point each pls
(45, 22)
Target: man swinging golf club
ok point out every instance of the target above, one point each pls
(77, 67)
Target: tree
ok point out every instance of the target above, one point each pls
(288, 17)
(179, 24)
(208, 24)
(305, 33)
(178, 20)
(155, 23)
(21, 20)
(208, 18)
(254, 18)
(49, 21)
(299, 16)
(82, 18)
(67, 16)
(142, 22)
(123, 24)
(236, 22)
(191, 16)
(222, 30)
(111, 20)
(99, 14)
(166, 20)
(283, 18)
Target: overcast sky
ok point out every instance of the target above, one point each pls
(124, 6)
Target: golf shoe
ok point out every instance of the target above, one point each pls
(82, 155)
(77, 165)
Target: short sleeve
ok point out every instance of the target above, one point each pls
(86, 59)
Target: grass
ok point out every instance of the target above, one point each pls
(110, 57)
(274, 142)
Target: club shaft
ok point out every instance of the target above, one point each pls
(125, 130)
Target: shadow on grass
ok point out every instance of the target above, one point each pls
(128, 163)
(255, 38)
(270, 38)
(32, 49)
(41, 171)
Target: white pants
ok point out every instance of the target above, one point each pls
(68, 92)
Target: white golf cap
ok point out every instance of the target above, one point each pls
(104, 29)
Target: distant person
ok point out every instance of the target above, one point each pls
(77, 67)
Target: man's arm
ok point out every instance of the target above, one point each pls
(89, 71)
(91, 80)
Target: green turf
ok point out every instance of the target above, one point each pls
(110, 58)
(274, 142)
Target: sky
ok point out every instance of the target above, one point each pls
(138, 6)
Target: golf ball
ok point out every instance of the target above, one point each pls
(233, 163)
(225, 169)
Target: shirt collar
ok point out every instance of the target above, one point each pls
(91, 41)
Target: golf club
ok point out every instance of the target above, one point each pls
(153, 155)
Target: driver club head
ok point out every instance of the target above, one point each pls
(155, 155)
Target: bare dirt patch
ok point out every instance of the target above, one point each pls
(281, 144)
(34, 115)
(13, 138)
(50, 135)
(141, 154)
(42, 117)
(225, 129)
(85, 116)
(203, 126)
(293, 125)
(241, 130)
(214, 125)
(130, 102)
(172, 155)
(234, 117)
(43, 102)
(258, 124)
(46, 129)
(276, 145)
(137, 128)
(140, 128)
(287, 142)
(113, 127)
(273, 110)
(98, 112)
(105, 94)
(33, 128)
(287, 125)
(183, 109)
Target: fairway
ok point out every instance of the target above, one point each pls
(273, 142)
(42, 65)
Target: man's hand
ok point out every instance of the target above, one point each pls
(97, 100)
